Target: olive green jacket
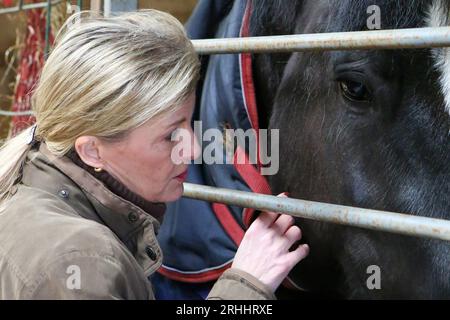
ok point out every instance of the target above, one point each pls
(65, 235)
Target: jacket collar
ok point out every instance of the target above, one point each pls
(60, 176)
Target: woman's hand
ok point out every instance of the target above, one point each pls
(264, 250)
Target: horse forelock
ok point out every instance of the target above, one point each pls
(274, 16)
(439, 16)
(279, 17)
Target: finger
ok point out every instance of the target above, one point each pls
(298, 255)
(284, 222)
(293, 234)
(266, 218)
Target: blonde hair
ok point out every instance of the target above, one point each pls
(104, 78)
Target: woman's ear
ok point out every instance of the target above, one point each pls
(87, 148)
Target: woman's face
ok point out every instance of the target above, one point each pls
(143, 161)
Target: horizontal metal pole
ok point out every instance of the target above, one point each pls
(376, 39)
(4, 113)
(357, 217)
(23, 7)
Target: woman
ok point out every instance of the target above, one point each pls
(82, 192)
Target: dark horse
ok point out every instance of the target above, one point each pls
(361, 128)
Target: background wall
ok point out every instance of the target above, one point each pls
(7, 40)
(181, 9)
(11, 23)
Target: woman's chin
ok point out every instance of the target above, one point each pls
(173, 193)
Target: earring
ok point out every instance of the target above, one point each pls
(98, 169)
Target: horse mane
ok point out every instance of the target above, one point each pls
(395, 14)
(274, 17)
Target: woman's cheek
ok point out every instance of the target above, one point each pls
(165, 174)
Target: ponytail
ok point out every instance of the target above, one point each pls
(12, 158)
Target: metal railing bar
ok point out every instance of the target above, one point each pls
(31, 6)
(378, 39)
(405, 224)
(5, 113)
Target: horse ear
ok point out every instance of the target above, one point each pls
(274, 17)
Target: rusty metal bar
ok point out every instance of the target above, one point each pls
(31, 6)
(48, 29)
(4, 113)
(377, 39)
(357, 217)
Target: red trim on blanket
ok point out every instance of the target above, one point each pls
(256, 182)
(228, 222)
(207, 276)
(253, 178)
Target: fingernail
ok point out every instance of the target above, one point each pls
(306, 247)
(284, 194)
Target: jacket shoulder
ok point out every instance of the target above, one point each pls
(40, 234)
(50, 226)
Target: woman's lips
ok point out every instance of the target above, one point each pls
(182, 177)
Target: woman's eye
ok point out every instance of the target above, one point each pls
(171, 135)
(355, 91)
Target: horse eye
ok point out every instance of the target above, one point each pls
(355, 91)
